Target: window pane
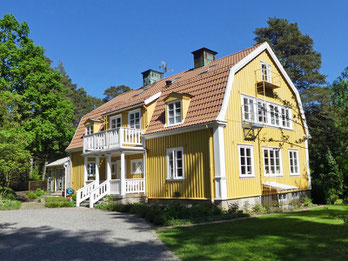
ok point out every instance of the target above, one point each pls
(179, 173)
(243, 170)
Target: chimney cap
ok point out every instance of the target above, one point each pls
(151, 70)
(204, 49)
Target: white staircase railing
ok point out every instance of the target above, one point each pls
(99, 192)
(135, 185)
(84, 192)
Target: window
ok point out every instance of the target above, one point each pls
(286, 117)
(262, 111)
(136, 166)
(134, 119)
(293, 162)
(246, 161)
(116, 122)
(89, 130)
(266, 72)
(272, 161)
(175, 164)
(174, 112)
(91, 169)
(248, 109)
(265, 112)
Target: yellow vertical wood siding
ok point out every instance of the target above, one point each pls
(197, 166)
(77, 170)
(245, 83)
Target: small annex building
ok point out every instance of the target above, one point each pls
(58, 175)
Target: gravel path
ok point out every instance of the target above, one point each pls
(77, 234)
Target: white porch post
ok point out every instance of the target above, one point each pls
(108, 166)
(220, 168)
(144, 172)
(123, 174)
(97, 169)
(85, 177)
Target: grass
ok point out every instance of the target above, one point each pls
(7, 204)
(58, 202)
(316, 234)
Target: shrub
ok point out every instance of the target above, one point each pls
(307, 202)
(60, 204)
(73, 196)
(31, 195)
(258, 209)
(296, 203)
(7, 193)
(39, 192)
(246, 207)
(6, 204)
(51, 199)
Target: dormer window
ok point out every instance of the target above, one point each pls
(89, 129)
(174, 112)
(134, 119)
(266, 72)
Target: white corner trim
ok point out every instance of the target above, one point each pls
(152, 98)
(308, 169)
(219, 162)
(245, 61)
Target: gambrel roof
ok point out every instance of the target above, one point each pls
(209, 88)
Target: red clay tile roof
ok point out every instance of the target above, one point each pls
(207, 89)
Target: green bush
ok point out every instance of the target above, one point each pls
(39, 192)
(6, 204)
(31, 195)
(73, 196)
(296, 203)
(258, 209)
(173, 213)
(7, 193)
(307, 202)
(60, 204)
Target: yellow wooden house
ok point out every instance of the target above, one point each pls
(228, 130)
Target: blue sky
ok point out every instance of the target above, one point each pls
(103, 43)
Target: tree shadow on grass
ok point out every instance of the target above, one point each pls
(271, 238)
(47, 243)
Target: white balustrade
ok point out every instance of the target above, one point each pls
(110, 139)
(115, 187)
(84, 192)
(135, 185)
(99, 192)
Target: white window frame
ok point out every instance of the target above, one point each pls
(243, 146)
(277, 110)
(251, 109)
(136, 162)
(287, 118)
(119, 116)
(89, 129)
(129, 116)
(170, 176)
(268, 76)
(264, 111)
(174, 108)
(93, 175)
(280, 174)
(298, 162)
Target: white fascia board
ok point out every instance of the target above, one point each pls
(152, 98)
(244, 62)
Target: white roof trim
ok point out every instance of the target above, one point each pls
(279, 186)
(245, 61)
(152, 98)
(59, 162)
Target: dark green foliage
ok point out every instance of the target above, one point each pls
(294, 50)
(174, 213)
(83, 102)
(113, 92)
(31, 195)
(7, 193)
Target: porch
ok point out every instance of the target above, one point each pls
(118, 172)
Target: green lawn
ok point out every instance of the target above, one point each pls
(309, 235)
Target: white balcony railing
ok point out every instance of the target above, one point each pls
(111, 139)
(84, 192)
(135, 185)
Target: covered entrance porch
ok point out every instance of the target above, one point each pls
(117, 172)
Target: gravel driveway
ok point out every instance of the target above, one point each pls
(77, 234)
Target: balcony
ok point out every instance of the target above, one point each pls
(267, 80)
(112, 139)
